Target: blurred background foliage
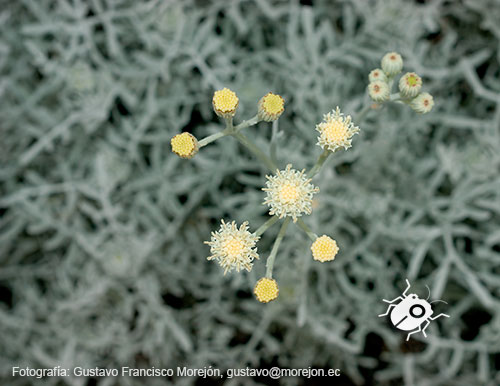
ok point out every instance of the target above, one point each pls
(102, 227)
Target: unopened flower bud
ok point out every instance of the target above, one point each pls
(392, 63)
(379, 91)
(377, 74)
(422, 103)
(410, 85)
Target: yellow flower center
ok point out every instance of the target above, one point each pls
(273, 104)
(225, 100)
(233, 247)
(288, 193)
(324, 249)
(412, 80)
(182, 144)
(335, 131)
(266, 290)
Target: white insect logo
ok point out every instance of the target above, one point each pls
(411, 313)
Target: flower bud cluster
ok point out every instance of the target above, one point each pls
(410, 85)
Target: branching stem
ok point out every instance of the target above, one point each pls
(264, 227)
(211, 138)
(313, 236)
(256, 151)
(250, 122)
(319, 163)
(274, 251)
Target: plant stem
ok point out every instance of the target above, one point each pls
(235, 132)
(362, 113)
(264, 227)
(321, 160)
(326, 153)
(250, 122)
(254, 149)
(274, 251)
(395, 97)
(274, 139)
(390, 82)
(313, 236)
(229, 124)
(211, 138)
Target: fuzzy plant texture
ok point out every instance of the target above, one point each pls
(102, 227)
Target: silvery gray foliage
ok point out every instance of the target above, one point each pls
(102, 227)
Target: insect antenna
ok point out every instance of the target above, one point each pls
(439, 300)
(428, 289)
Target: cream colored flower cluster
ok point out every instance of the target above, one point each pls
(410, 85)
(288, 193)
(336, 131)
(233, 247)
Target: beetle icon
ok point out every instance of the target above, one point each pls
(411, 313)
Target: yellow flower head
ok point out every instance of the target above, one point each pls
(336, 131)
(324, 249)
(225, 102)
(289, 193)
(233, 247)
(410, 85)
(266, 290)
(184, 145)
(271, 106)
